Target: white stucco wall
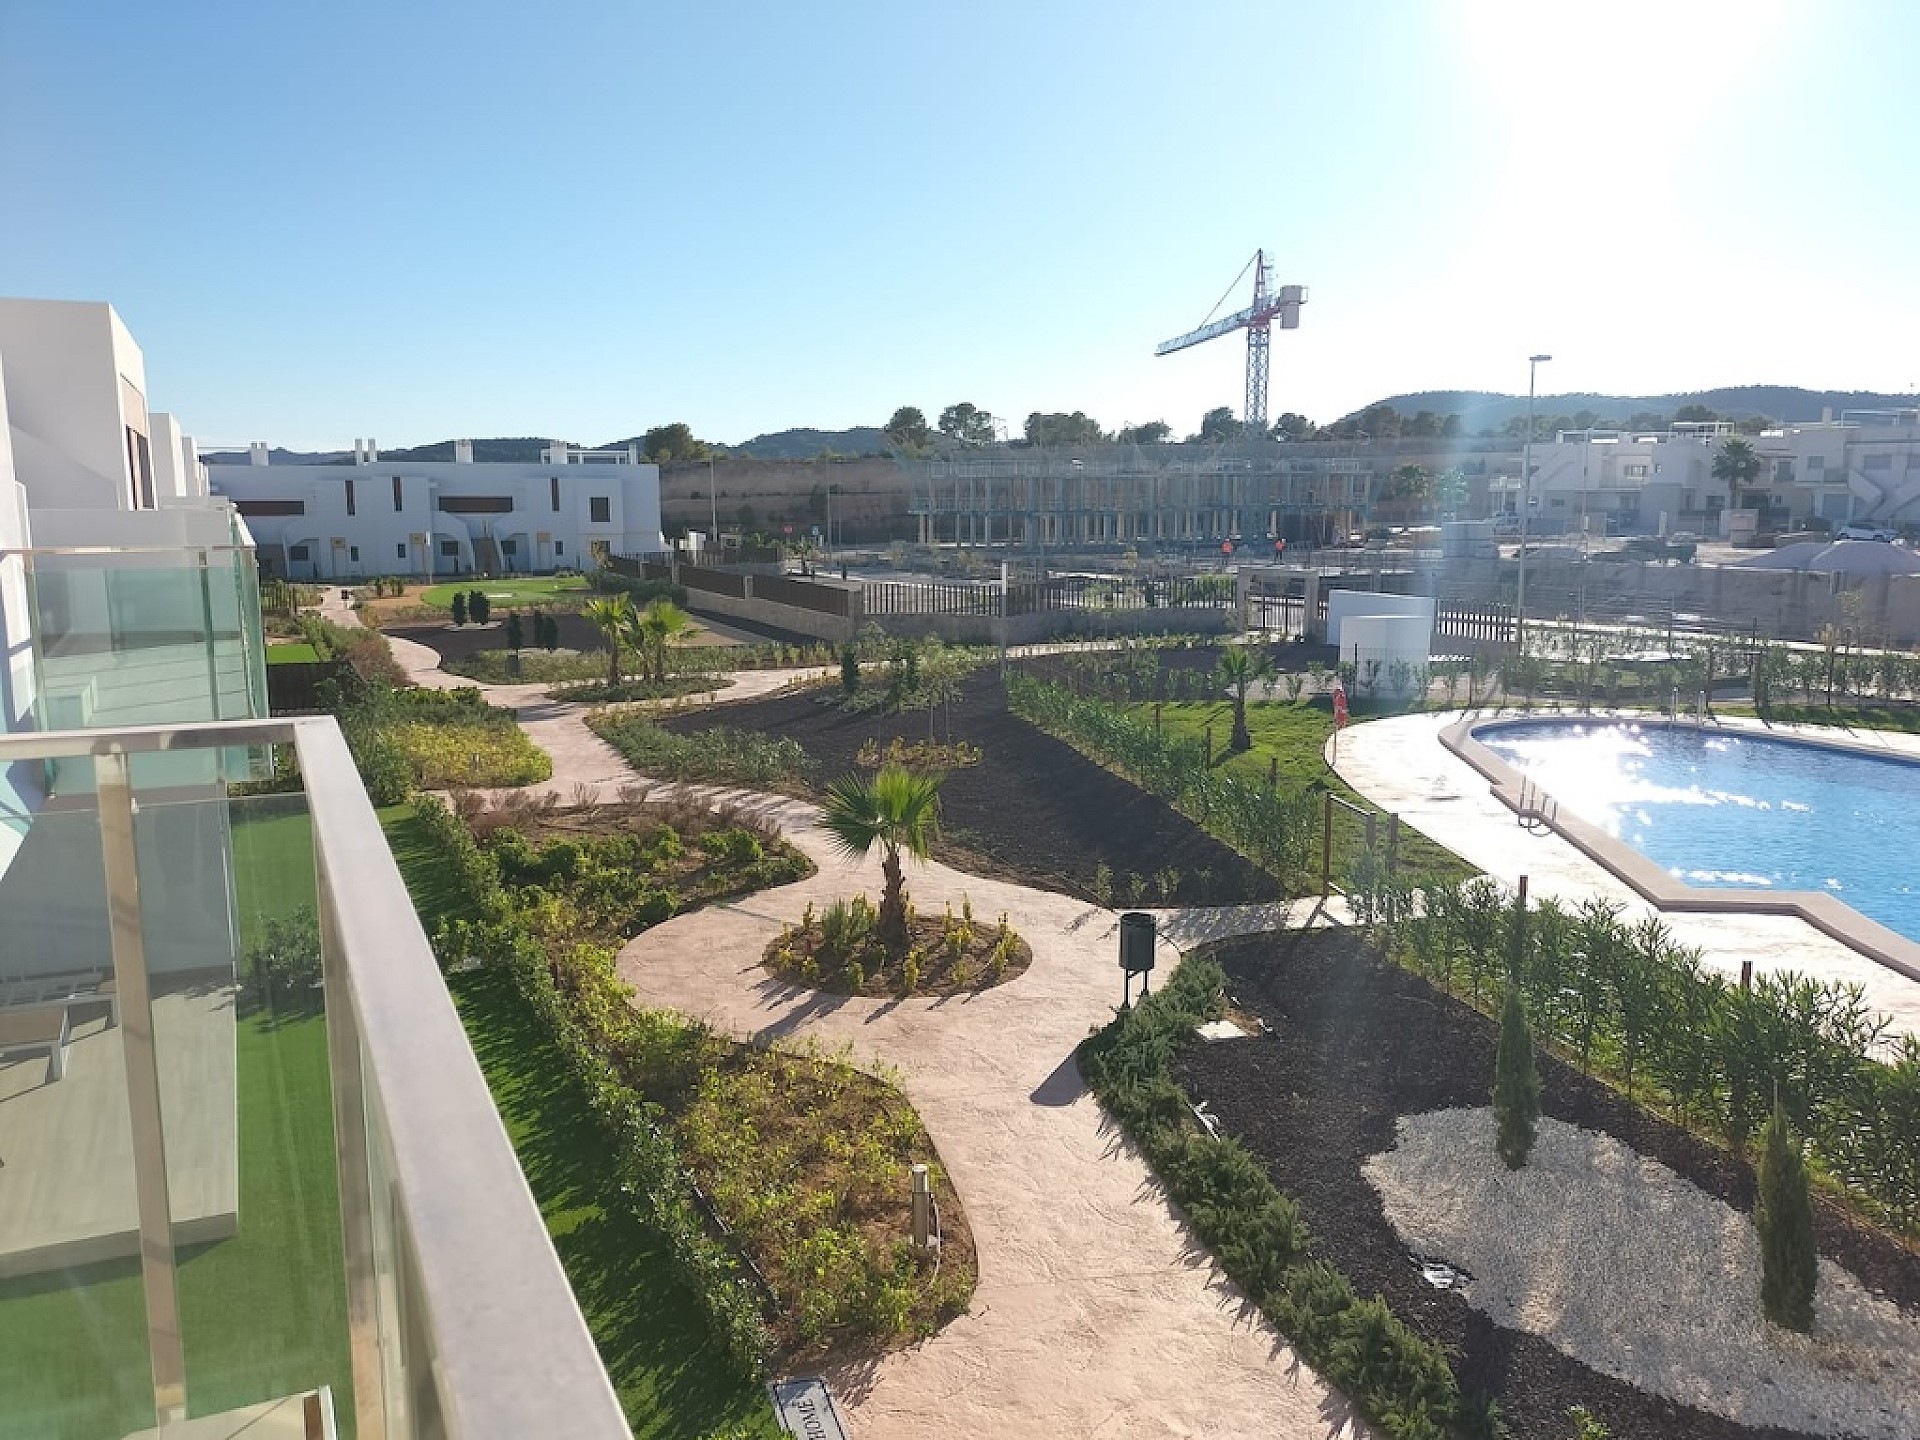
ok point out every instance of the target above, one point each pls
(1345, 604)
(75, 380)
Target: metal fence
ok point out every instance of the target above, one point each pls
(1056, 593)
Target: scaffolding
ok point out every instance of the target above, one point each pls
(1141, 497)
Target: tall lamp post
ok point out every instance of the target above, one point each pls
(1534, 362)
(713, 514)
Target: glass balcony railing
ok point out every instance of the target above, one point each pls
(251, 1180)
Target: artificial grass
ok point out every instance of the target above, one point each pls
(530, 590)
(298, 654)
(673, 1380)
(1295, 736)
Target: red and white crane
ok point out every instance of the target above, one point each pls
(1257, 319)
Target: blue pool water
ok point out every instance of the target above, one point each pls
(1739, 812)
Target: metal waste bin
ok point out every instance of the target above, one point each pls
(1136, 942)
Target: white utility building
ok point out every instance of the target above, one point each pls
(425, 518)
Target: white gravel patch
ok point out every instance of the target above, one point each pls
(1635, 1271)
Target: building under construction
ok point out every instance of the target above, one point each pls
(1172, 496)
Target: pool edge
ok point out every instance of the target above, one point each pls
(1826, 913)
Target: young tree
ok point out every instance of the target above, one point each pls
(613, 616)
(459, 607)
(1516, 1084)
(546, 631)
(849, 670)
(478, 606)
(1783, 1214)
(896, 810)
(516, 631)
(967, 423)
(659, 625)
(1242, 669)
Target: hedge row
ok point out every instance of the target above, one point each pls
(1629, 1000)
(588, 1020)
(1275, 829)
(1401, 1381)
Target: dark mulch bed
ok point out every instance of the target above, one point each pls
(1034, 810)
(456, 642)
(1355, 1044)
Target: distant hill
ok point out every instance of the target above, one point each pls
(806, 444)
(278, 456)
(1489, 410)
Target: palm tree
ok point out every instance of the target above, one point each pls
(1242, 668)
(613, 617)
(659, 625)
(898, 809)
(1738, 465)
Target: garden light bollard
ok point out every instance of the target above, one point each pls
(922, 1209)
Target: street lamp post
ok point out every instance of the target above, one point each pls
(1534, 362)
(713, 514)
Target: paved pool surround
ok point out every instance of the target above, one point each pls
(1652, 882)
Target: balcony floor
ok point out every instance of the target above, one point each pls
(66, 1147)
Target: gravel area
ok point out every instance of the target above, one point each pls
(1635, 1271)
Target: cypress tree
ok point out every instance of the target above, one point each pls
(1783, 1214)
(516, 634)
(459, 607)
(1516, 1084)
(479, 606)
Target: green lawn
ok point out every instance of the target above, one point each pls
(672, 1380)
(527, 590)
(293, 654)
(1296, 736)
(264, 1313)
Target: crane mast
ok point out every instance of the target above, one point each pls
(1257, 320)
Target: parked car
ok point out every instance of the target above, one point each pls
(1864, 532)
(1506, 525)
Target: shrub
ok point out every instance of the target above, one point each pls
(1516, 1084)
(1783, 1214)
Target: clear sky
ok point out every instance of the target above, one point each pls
(417, 219)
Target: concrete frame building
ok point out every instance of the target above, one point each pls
(424, 519)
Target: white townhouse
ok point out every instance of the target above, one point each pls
(352, 521)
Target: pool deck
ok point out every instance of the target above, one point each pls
(1401, 765)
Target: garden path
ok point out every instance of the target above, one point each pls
(1096, 1313)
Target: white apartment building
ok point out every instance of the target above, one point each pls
(349, 522)
(1600, 482)
(1863, 467)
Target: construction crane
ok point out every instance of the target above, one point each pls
(1268, 304)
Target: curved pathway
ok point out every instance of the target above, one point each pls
(1096, 1313)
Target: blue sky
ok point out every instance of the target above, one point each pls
(416, 220)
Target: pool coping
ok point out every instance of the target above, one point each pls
(1652, 883)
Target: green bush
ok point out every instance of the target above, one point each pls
(742, 757)
(1783, 1214)
(1401, 1381)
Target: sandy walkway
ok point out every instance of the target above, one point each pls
(1096, 1315)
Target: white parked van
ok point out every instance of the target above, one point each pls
(1863, 532)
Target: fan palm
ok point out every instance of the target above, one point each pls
(1737, 466)
(613, 616)
(659, 625)
(1242, 669)
(898, 809)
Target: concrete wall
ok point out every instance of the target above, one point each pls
(1342, 604)
(75, 382)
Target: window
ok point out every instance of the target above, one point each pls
(1816, 462)
(450, 549)
(299, 552)
(1877, 462)
(476, 504)
(271, 507)
(353, 553)
(399, 500)
(400, 551)
(599, 510)
(554, 484)
(559, 547)
(509, 547)
(349, 497)
(1636, 472)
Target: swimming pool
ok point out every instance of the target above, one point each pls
(1721, 810)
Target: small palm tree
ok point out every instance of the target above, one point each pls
(1242, 668)
(1737, 465)
(898, 809)
(613, 617)
(660, 624)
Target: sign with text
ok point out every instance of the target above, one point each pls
(804, 1408)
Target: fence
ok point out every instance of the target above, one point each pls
(1055, 594)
